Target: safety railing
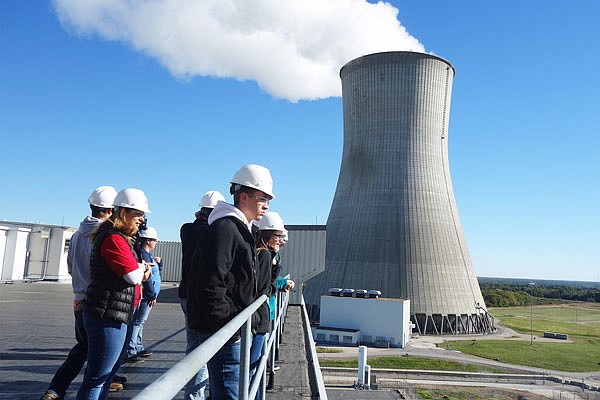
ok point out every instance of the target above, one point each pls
(168, 385)
(311, 352)
(270, 354)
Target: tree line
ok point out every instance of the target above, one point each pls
(503, 294)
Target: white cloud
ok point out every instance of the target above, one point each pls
(293, 49)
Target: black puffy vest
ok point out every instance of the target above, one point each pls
(108, 296)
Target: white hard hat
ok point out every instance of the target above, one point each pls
(132, 198)
(271, 221)
(256, 177)
(210, 199)
(149, 233)
(103, 197)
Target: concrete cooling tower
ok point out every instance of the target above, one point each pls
(394, 225)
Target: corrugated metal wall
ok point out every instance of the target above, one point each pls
(303, 256)
(171, 255)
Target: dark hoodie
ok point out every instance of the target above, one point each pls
(223, 273)
(190, 234)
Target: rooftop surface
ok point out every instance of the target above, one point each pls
(37, 333)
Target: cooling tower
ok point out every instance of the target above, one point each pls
(394, 225)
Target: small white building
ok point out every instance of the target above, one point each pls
(380, 322)
(34, 251)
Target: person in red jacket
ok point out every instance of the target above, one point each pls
(114, 292)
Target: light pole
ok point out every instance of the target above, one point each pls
(531, 285)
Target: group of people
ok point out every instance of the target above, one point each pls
(230, 257)
(115, 280)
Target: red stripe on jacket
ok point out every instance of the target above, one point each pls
(116, 251)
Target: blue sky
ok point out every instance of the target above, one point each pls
(84, 103)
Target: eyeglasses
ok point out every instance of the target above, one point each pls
(261, 199)
(280, 235)
(136, 213)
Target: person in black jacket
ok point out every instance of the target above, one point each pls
(222, 277)
(269, 236)
(191, 233)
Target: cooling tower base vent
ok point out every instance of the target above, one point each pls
(437, 324)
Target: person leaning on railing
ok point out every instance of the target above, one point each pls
(191, 233)
(222, 276)
(114, 292)
(268, 238)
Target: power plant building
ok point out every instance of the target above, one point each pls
(394, 224)
(354, 320)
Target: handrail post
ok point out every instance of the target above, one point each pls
(271, 361)
(263, 378)
(312, 351)
(245, 347)
(280, 330)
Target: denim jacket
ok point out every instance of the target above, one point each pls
(151, 287)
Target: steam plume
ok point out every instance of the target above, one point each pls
(293, 49)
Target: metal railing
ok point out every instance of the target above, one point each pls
(249, 388)
(168, 385)
(311, 352)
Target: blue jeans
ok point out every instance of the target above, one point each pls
(256, 353)
(106, 342)
(224, 370)
(135, 345)
(256, 350)
(74, 362)
(194, 390)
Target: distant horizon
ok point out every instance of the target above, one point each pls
(539, 280)
(309, 225)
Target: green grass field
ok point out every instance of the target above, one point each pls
(580, 321)
(467, 393)
(409, 363)
(321, 349)
(582, 356)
